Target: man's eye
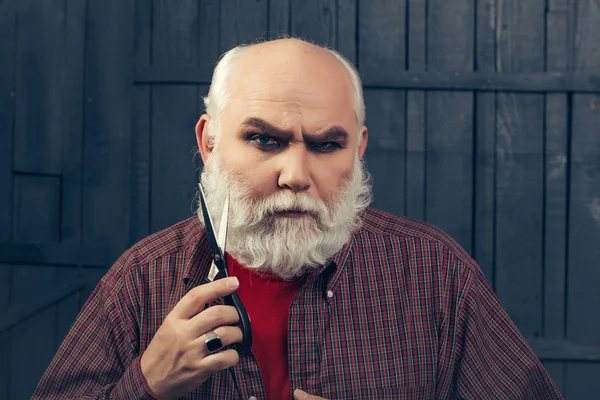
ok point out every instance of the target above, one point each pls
(265, 141)
(325, 147)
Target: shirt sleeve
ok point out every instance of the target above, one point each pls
(97, 359)
(488, 358)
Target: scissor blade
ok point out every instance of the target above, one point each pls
(210, 233)
(222, 237)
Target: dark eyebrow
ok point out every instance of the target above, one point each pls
(266, 127)
(331, 134)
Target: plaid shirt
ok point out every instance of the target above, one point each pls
(401, 312)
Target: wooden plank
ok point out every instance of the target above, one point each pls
(175, 112)
(520, 168)
(139, 225)
(5, 376)
(314, 21)
(279, 18)
(32, 339)
(5, 272)
(143, 32)
(583, 296)
(59, 254)
(386, 131)
(561, 350)
(175, 32)
(107, 135)
(208, 40)
(381, 39)
(485, 142)
(415, 112)
(524, 82)
(72, 94)
(49, 289)
(39, 84)
(449, 132)
(243, 22)
(556, 162)
(8, 37)
(37, 208)
(345, 37)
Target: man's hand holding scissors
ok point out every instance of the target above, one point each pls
(177, 359)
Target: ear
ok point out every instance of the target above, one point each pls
(202, 137)
(363, 139)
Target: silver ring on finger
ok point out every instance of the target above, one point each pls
(213, 342)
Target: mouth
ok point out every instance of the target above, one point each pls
(293, 214)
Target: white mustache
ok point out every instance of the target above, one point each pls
(287, 202)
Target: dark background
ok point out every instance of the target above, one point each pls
(484, 119)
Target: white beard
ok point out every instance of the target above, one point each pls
(285, 247)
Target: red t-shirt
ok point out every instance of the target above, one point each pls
(267, 299)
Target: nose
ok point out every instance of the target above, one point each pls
(295, 173)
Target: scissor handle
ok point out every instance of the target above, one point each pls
(234, 300)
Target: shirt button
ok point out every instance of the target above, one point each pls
(252, 398)
(329, 294)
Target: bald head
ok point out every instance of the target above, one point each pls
(287, 70)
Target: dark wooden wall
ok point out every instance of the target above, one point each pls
(483, 115)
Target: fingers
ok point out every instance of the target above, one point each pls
(213, 317)
(228, 334)
(219, 361)
(302, 395)
(195, 300)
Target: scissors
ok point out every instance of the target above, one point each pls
(219, 266)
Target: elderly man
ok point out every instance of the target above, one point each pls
(345, 301)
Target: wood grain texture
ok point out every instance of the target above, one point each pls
(583, 296)
(107, 135)
(314, 21)
(520, 167)
(174, 111)
(386, 149)
(415, 111)
(5, 281)
(141, 164)
(71, 189)
(519, 82)
(39, 84)
(139, 225)
(8, 38)
(174, 115)
(175, 32)
(485, 142)
(209, 49)
(30, 351)
(381, 38)
(242, 22)
(279, 18)
(449, 133)
(37, 208)
(558, 50)
(346, 32)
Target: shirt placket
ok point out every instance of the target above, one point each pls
(305, 329)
